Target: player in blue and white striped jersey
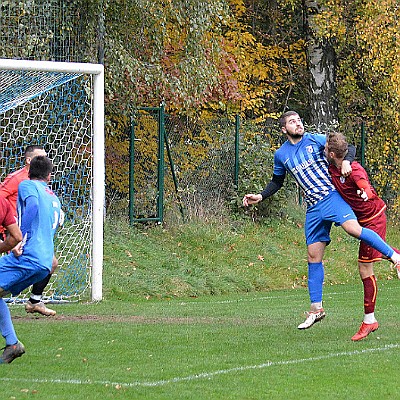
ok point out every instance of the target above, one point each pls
(302, 155)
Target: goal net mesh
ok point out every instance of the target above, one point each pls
(54, 109)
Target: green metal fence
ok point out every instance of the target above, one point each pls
(146, 166)
(180, 163)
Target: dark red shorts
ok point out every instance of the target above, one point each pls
(367, 253)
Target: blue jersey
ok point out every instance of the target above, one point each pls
(38, 241)
(306, 162)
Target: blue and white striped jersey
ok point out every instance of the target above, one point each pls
(306, 162)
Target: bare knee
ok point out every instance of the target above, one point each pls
(365, 269)
(315, 252)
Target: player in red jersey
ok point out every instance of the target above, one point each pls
(9, 191)
(369, 208)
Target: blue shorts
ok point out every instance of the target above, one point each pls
(320, 216)
(17, 273)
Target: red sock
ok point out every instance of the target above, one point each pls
(370, 292)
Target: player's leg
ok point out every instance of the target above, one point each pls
(353, 228)
(13, 347)
(35, 303)
(14, 280)
(366, 258)
(317, 237)
(316, 274)
(378, 225)
(338, 211)
(369, 324)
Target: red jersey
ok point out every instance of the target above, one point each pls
(347, 187)
(9, 187)
(6, 215)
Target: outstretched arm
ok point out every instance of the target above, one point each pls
(273, 186)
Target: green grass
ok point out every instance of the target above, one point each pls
(200, 259)
(209, 311)
(243, 346)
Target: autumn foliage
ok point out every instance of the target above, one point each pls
(367, 37)
(207, 58)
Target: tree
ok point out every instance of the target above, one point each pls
(267, 48)
(322, 64)
(366, 37)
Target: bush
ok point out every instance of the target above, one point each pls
(256, 170)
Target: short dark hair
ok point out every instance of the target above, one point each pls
(40, 168)
(31, 148)
(284, 116)
(336, 142)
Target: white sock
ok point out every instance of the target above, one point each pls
(395, 257)
(316, 306)
(369, 318)
(37, 297)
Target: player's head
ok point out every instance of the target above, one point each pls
(336, 146)
(291, 124)
(41, 168)
(32, 151)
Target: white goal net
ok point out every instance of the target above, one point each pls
(61, 107)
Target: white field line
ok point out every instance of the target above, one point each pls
(278, 296)
(263, 298)
(204, 375)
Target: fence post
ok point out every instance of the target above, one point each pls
(237, 138)
(131, 170)
(161, 127)
(363, 144)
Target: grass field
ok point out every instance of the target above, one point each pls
(243, 346)
(210, 311)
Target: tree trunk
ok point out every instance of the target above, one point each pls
(321, 59)
(100, 34)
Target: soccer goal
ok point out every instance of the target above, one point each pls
(61, 106)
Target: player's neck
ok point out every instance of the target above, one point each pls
(338, 162)
(294, 139)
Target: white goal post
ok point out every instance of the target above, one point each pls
(60, 105)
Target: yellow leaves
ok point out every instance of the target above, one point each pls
(117, 168)
(259, 67)
(238, 7)
(241, 38)
(369, 87)
(327, 21)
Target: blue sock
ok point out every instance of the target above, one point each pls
(315, 281)
(375, 241)
(6, 325)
